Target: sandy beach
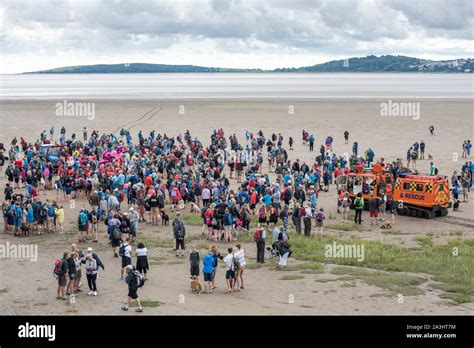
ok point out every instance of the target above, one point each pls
(30, 288)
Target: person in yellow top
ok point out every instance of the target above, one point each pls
(60, 218)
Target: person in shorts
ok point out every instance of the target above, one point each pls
(208, 272)
(62, 276)
(131, 280)
(373, 209)
(230, 270)
(126, 255)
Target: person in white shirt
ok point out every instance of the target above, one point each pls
(125, 252)
(239, 255)
(276, 232)
(142, 259)
(308, 214)
(206, 195)
(230, 270)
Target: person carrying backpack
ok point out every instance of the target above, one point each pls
(179, 232)
(135, 281)
(61, 270)
(82, 219)
(259, 238)
(359, 206)
(320, 217)
(125, 252)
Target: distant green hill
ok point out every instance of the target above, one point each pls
(386, 63)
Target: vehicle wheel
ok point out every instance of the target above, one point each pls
(430, 214)
(444, 212)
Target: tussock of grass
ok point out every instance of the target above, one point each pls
(345, 227)
(155, 242)
(292, 277)
(146, 303)
(3, 290)
(306, 266)
(424, 241)
(253, 265)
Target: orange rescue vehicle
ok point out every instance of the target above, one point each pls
(424, 196)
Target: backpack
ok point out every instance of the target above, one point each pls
(179, 229)
(319, 217)
(58, 270)
(173, 193)
(139, 279)
(236, 263)
(262, 214)
(257, 237)
(116, 233)
(359, 203)
(122, 250)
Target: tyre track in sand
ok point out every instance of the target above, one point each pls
(147, 116)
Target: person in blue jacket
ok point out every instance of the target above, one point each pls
(208, 263)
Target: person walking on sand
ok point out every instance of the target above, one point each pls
(71, 289)
(373, 209)
(283, 249)
(359, 206)
(259, 238)
(308, 214)
(125, 252)
(346, 137)
(179, 233)
(207, 270)
(142, 259)
(194, 260)
(320, 217)
(422, 150)
(230, 270)
(134, 281)
(62, 270)
(91, 274)
(216, 257)
(345, 206)
(96, 258)
(239, 255)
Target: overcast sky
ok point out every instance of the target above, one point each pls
(43, 34)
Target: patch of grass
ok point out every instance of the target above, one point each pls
(3, 290)
(38, 304)
(304, 267)
(292, 277)
(451, 263)
(456, 233)
(41, 289)
(146, 303)
(353, 271)
(348, 285)
(424, 241)
(392, 232)
(395, 283)
(253, 265)
(202, 245)
(151, 242)
(191, 219)
(345, 227)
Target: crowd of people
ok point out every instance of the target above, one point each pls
(127, 183)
